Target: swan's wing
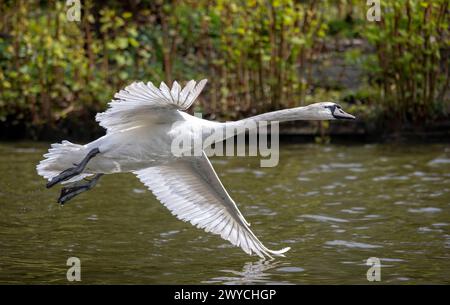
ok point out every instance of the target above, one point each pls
(191, 190)
(141, 103)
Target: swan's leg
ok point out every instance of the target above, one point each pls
(73, 171)
(68, 193)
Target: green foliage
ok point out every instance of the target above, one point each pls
(258, 55)
(412, 74)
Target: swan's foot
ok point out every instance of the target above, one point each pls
(68, 193)
(73, 171)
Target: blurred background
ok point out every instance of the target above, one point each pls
(258, 55)
(381, 188)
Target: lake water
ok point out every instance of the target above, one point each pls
(334, 205)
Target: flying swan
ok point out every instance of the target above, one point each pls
(140, 126)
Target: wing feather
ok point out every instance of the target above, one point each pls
(135, 105)
(191, 190)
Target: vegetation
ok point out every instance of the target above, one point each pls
(411, 64)
(259, 55)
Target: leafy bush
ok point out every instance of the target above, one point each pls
(257, 54)
(410, 64)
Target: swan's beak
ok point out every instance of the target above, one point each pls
(340, 114)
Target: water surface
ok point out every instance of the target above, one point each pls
(334, 205)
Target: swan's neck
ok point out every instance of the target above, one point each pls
(292, 114)
(230, 129)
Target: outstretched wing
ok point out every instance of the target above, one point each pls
(191, 190)
(136, 104)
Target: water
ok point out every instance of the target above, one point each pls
(335, 206)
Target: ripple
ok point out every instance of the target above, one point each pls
(282, 187)
(430, 178)
(257, 210)
(440, 224)
(436, 194)
(357, 170)
(351, 244)
(169, 233)
(290, 269)
(362, 228)
(371, 216)
(333, 186)
(138, 191)
(439, 161)
(419, 174)
(258, 174)
(324, 218)
(401, 202)
(425, 210)
(311, 193)
(92, 217)
(237, 170)
(348, 211)
(333, 203)
(385, 259)
(427, 230)
(346, 165)
(359, 208)
(390, 177)
(403, 278)
(353, 210)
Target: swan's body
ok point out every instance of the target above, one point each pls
(141, 124)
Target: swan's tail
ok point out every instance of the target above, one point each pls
(60, 157)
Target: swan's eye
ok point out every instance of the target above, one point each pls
(332, 108)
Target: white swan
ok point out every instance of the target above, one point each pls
(140, 128)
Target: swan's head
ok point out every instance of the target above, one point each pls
(328, 111)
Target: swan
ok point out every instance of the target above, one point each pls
(140, 127)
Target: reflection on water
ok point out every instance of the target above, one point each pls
(252, 273)
(334, 205)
